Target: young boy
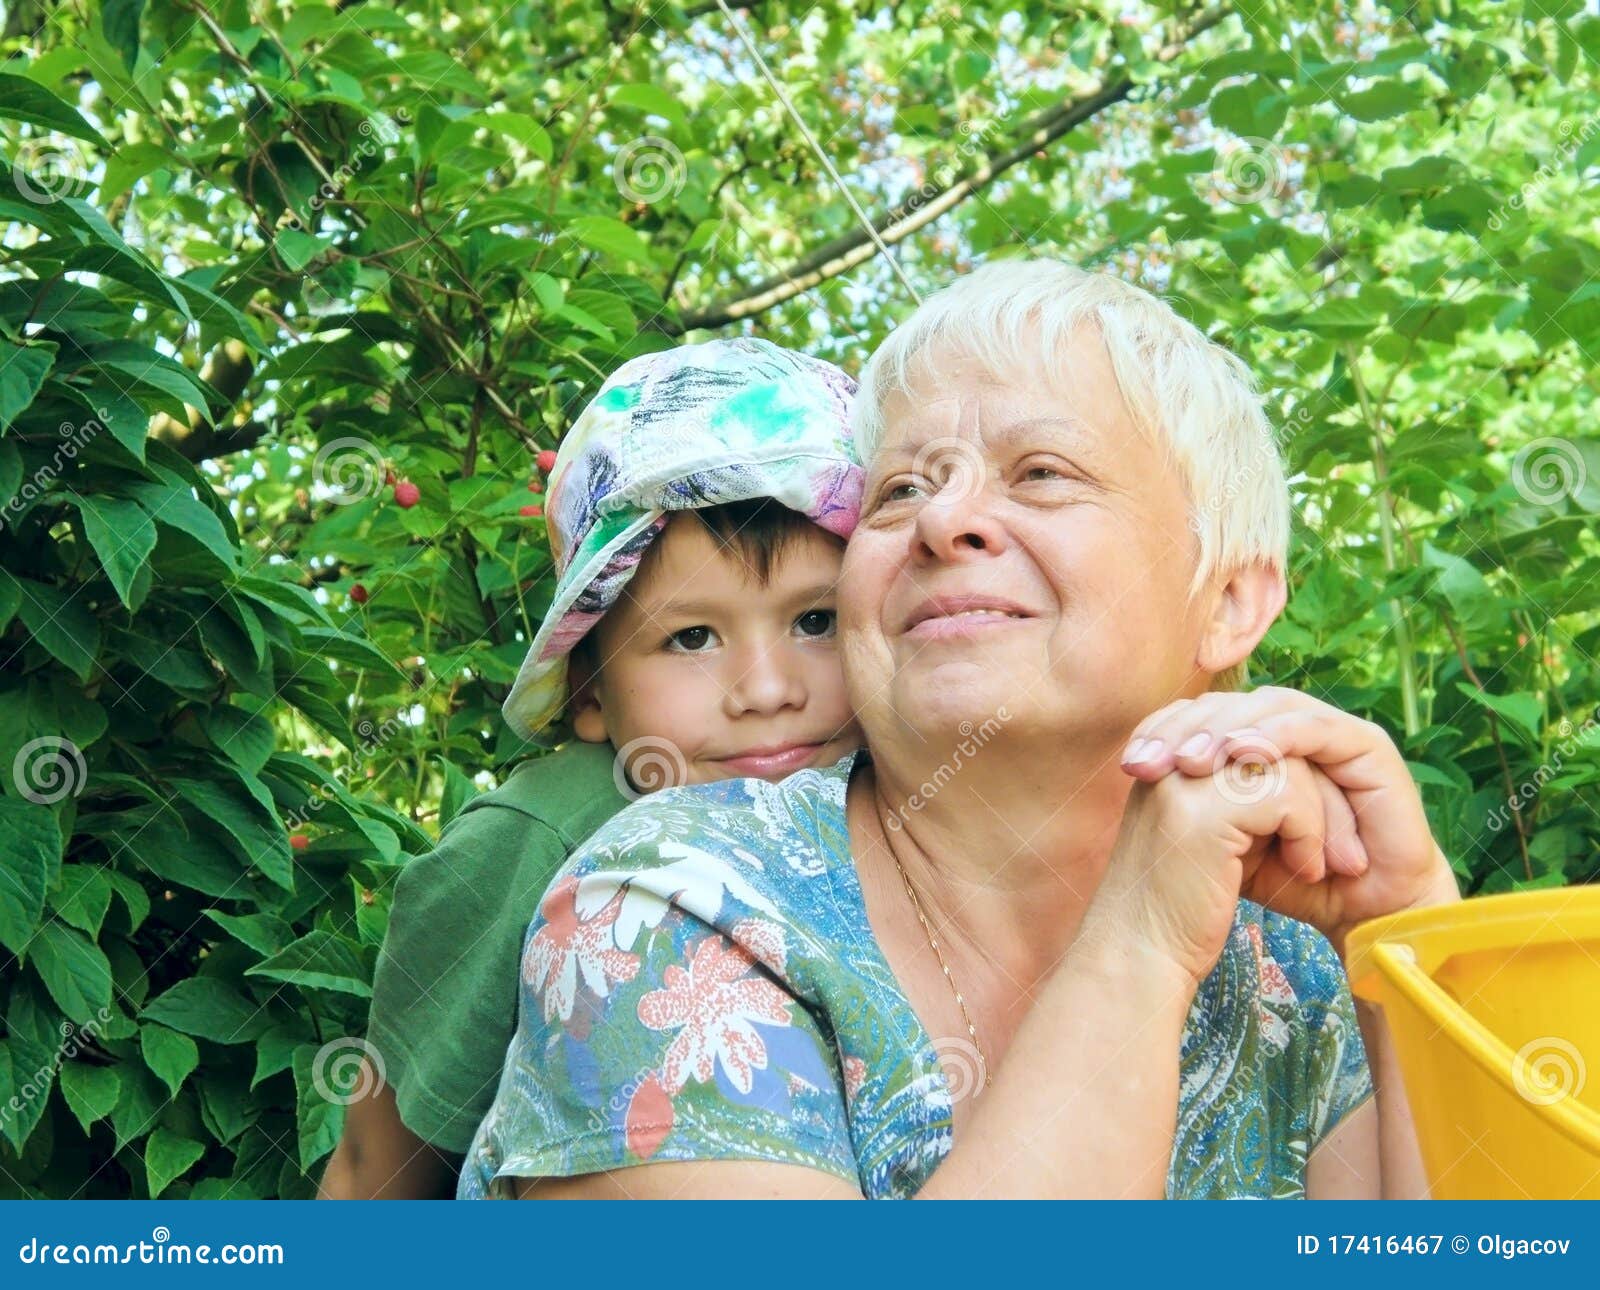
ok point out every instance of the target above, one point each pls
(697, 511)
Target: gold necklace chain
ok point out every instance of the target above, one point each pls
(961, 1003)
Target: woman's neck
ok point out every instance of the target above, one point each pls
(1004, 852)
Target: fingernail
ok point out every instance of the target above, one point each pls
(1141, 750)
(1195, 744)
(1242, 732)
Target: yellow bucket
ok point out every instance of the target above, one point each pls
(1494, 1005)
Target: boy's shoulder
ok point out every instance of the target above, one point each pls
(572, 791)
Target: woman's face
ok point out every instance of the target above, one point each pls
(1024, 554)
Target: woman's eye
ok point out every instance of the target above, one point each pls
(817, 623)
(1042, 472)
(692, 640)
(902, 492)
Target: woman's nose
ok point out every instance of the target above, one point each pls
(762, 683)
(959, 522)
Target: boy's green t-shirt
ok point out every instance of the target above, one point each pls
(444, 998)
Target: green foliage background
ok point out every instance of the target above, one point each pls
(258, 254)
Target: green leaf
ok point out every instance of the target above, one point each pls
(248, 818)
(319, 1121)
(134, 897)
(123, 537)
(166, 1156)
(1523, 711)
(297, 249)
(22, 372)
(264, 933)
(275, 1050)
(170, 1055)
(82, 898)
(610, 237)
(245, 739)
(24, 100)
(30, 858)
(319, 960)
(1386, 99)
(651, 99)
(458, 791)
(208, 1009)
(62, 625)
(91, 1092)
(73, 969)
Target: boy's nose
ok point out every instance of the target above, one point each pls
(764, 681)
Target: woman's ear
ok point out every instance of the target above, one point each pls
(585, 706)
(1246, 606)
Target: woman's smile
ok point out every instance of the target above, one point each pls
(962, 615)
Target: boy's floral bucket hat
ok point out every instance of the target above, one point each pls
(684, 429)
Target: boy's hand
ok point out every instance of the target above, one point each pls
(1270, 729)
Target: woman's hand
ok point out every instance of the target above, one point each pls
(1217, 735)
(1189, 844)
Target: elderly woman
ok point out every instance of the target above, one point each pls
(1070, 925)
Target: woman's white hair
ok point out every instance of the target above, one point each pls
(1198, 399)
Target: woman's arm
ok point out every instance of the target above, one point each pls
(378, 1158)
(1084, 1105)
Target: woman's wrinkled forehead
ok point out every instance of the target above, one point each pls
(994, 401)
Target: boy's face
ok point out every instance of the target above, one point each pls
(705, 673)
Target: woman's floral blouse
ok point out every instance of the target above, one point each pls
(702, 983)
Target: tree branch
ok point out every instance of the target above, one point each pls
(922, 207)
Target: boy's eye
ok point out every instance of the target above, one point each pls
(817, 623)
(692, 640)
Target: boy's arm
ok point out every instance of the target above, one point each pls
(378, 1158)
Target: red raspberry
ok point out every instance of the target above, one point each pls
(358, 593)
(546, 460)
(406, 494)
